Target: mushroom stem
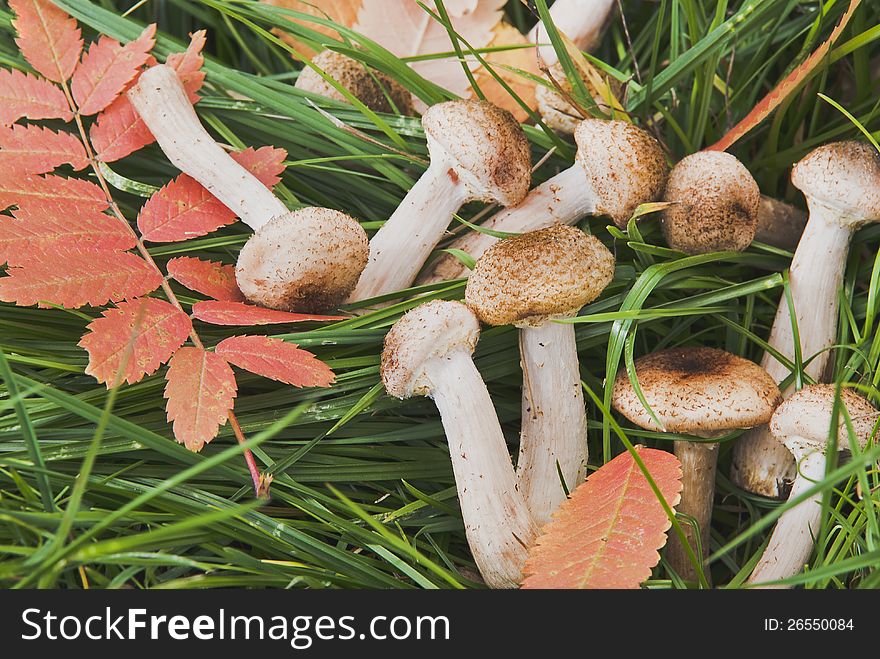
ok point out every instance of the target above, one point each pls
(497, 522)
(580, 20)
(553, 439)
(161, 101)
(791, 544)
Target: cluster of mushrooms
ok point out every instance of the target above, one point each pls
(313, 259)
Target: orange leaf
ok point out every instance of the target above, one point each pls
(188, 65)
(608, 533)
(343, 12)
(73, 192)
(38, 228)
(200, 390)
(49, 39)
(75, 277)
(26, 95)
(107, 69)
(266, 163)
(215, 280)
(37, 150)
(523, 59)
(235, 313)
(784, 89)
(277, 360)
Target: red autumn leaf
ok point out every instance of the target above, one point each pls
(37, 150)
(606, 535)
(200, 390)
(277, 360)
(38, 228)
(134, 339)
(108, 68)
(784, 89)
(209, 278)
(77, 277)
(188, 65)
(26, 95)
(219, 312)
(183, 209)
(49, 39)
(72, 192)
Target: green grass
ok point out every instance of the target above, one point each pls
(95, 492)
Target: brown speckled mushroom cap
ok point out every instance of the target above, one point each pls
(308, 260)
(372, 88)
(487, 145)
(625, 165)
(844, 176)
(430, 331)
(699, 391)
(716, 204)
(525, 279)
(805, 418)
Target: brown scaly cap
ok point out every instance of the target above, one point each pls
(525, 279)
(489, 148)
(806, 415)
(625, 165)
(697, 391)
(430, 331)
(844, 176)
(308, 260)
(371, 88)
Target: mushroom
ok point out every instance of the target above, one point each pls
(428, 353)
(582, 21)
(557, 111)
(841, 182)
(779, 224)
(803, 424)
(377, 91)
(715, 207)
(478, 152)
(703, 392)
(306, 260)
(529, 281)
(618, 167)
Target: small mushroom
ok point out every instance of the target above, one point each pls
(803, 424)
(529, 281)
(478, 152)
(779, 224)
(428, 353)
(582, 21)
(374, 89)
(703, 392)
(306, 260)
(716, 203)
(841, 182)
(618, 167)
(556, 110)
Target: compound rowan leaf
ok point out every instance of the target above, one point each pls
(219, 312)
(606, 535)
(134, 339)
(209, 278)
(74, 193)
(36, 150)
(107, 69)
(49, 39)
(188, 65)
(277, 360)
(26, 95)
(200, 390)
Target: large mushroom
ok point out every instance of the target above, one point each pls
(704, 392)
(530, 281)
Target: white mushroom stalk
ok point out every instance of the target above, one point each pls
(618, 167)
(478, 152)
(529, 281)
(803, 424)
(581, 21)
(841, 182)
(305, 260)
(428, 353)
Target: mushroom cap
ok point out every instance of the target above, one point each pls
(370, 87)
(308, 260)
(804, 419)
(716, 207)
(430, 331)
(844, 176)
(525, 279)
(700, 391)
(488, 147)
(625, 165)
